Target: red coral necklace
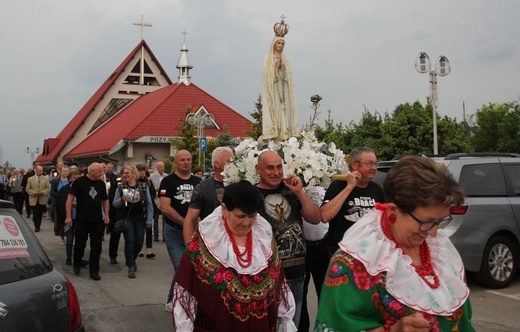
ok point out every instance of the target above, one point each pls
(246, 257)
(425, 271)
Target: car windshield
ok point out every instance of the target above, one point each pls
(21, 256)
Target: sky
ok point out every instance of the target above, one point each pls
(356, 54)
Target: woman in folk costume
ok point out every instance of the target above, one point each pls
(278, 103)
(230, 277)
(396, 269)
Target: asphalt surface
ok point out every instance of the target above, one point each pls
(117, 303)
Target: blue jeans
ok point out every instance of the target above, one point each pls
(296, 286)
(175, 247)
(134, 237)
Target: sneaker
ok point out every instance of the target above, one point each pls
(168, 307)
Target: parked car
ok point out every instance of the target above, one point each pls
(34, 296)
(486, 229)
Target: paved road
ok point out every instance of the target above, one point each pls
(117, 303)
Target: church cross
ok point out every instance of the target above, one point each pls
(184, 33)
(142, 24)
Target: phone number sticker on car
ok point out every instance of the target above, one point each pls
(12, 242)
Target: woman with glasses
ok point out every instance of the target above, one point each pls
(396, 269)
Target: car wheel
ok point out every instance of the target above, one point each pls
(499, 263)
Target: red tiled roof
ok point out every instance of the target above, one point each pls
(158, 114)
(69, 130)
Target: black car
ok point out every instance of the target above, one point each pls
(34, 296)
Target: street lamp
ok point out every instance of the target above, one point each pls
(442, 68)
(202, 121)
(32, 152)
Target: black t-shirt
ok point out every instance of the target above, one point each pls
(179, 191)
(358, 203)
(90, 195)
(282, 209)
(207, 196)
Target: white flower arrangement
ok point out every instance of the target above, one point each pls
(304, 156)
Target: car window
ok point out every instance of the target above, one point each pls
(483, 180)
(513, 172)
(21, 256)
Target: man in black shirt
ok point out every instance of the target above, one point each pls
(346, 202)
(175, 193)
(92, 214)
(285, 203)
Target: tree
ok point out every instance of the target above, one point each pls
(225, 138)
(256, 126)
(497, 128)
(338, 133)
(368, 131)
(187, 140)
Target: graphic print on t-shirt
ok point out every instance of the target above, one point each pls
(358, 207)
(287, 232)
(183, 193)
(92, 192)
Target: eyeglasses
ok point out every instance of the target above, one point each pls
(369, 164)
(426, 225)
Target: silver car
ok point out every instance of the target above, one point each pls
(34, 296)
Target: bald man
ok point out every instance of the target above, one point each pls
(175, 193)
(285, 203)
(92, 214)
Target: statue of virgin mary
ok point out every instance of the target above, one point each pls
(279, 120)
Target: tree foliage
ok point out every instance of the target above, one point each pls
(497, 128)
(187, 140)
(256, 124)
(408, 130)
(336, 133)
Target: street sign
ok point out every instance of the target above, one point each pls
(202, 144)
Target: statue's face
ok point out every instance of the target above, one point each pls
(278, 46)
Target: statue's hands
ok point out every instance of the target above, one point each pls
(279, 63)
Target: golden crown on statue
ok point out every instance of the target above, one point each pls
(281, 29)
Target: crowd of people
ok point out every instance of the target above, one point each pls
(244, 254)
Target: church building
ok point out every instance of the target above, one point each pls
(135, 113)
